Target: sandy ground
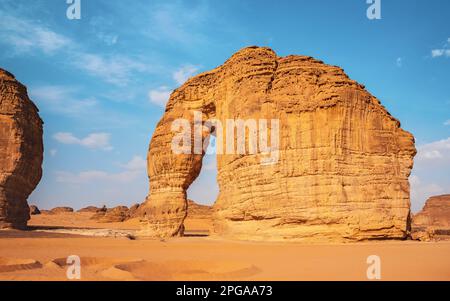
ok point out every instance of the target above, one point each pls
(37, 255)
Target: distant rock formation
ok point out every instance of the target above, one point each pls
(92, 209)
(21, 151)
(59, 210)
(433, 222)
(198, 211)
(343, 165)
(114, 215)
(133, 210)
(34, 210)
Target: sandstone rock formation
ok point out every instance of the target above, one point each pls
(433, 222)
(198, 211)
(114, 215)
(343, 165)
(92, 209)
(34, 210)
(21, 151)
(59, 210)
(133, 211)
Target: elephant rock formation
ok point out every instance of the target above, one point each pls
(343, 166)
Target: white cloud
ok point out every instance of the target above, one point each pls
(95, 176)
(184, 73)
(61, 99)
(434, 150)
(447, 122)
(132, 170)
(92, 141)
(53, 152)
(442, 52)
(178, 22)
(159, 96)
(101, 27)
(27, 36)
(116, 70)
(430, 173)
(136, 163)
(399, 62)
(420, 191)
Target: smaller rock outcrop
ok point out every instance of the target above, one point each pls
(198, 211)
(59, 210)
(133, 210)
(114, 215)
(34, 210)
(92, 209)
(433, 222)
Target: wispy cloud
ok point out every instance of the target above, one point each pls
(101, 27)
(116, 70)
(136, 163)
(61, 100)
(442, 52)
(26, 36)
(159, 96)
(92, 141)
(184, 73)
(131, 171)
(399, 62)
(447, 122)
(178, 22)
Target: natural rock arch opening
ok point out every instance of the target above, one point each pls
(343, 165)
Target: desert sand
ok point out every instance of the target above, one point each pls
(41, 254)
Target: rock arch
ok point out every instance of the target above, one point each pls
(344, 160)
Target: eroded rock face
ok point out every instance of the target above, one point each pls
(433, 222)
(343, 165)
(21, 151)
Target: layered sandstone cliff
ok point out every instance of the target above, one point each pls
(21, 151)
(343, 162)
(433, 222)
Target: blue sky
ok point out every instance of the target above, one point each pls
(101, 82)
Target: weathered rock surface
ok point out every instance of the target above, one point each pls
(59, 210)
(21, 151)
(114, 215)
(433, 222)
(343, 166)
(34, 210)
